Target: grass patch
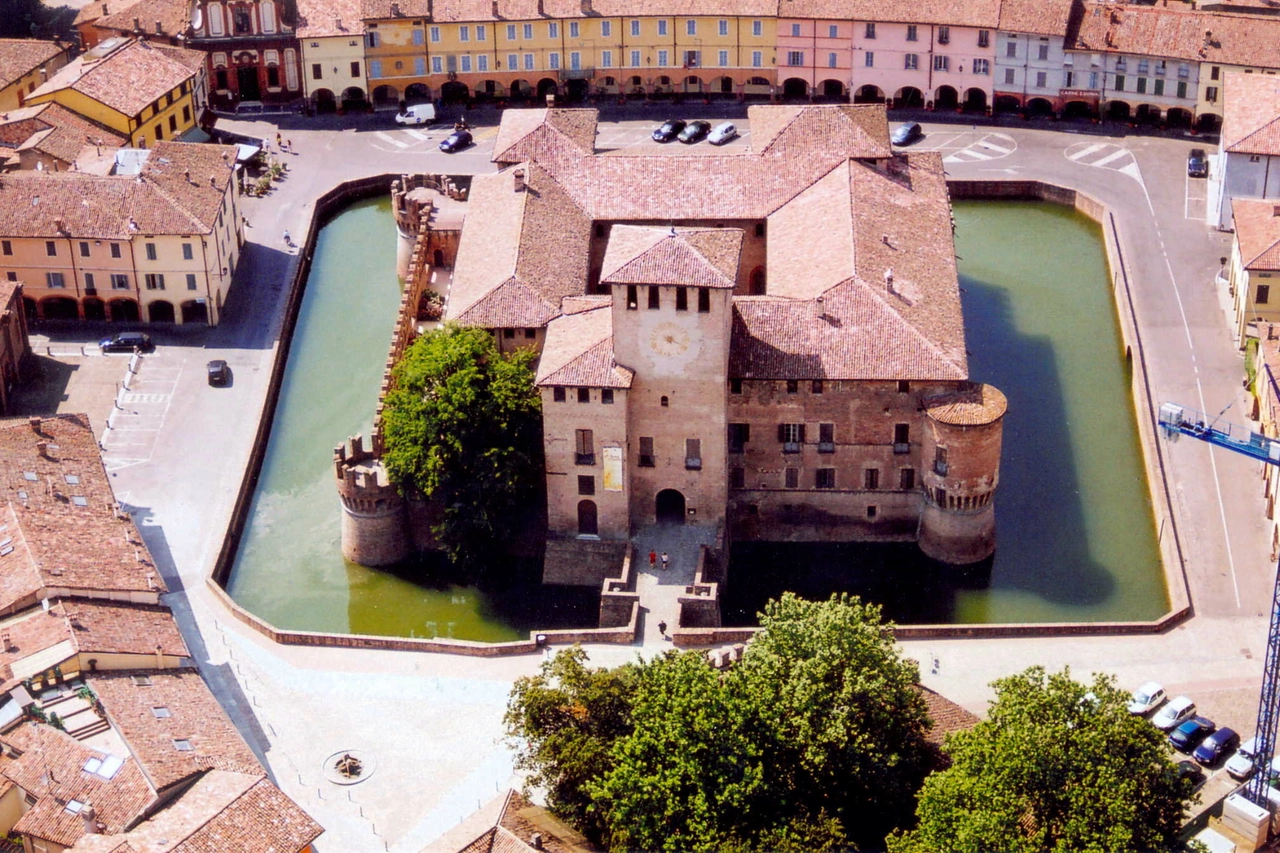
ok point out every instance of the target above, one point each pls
(1250, 354)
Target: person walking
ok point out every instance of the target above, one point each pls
(288, 241)
(662, 628)
(653, 559)
(665, 561)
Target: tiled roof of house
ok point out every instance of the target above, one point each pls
(956, 13)
(1251, 114)
(51, 767)
(68, 533)
(172, 16)
(322, 18)
(55, 130)
(194, 719)
(517, 822)
(1038, 17)
(220, 813)
(126, 78)
(973, 405)
(697, 257)
(947, 716)
(194, 177)
(19, 57)
(1257, 224)
(378, 9)
(579, 351)
(1178, 34)
(522, 132)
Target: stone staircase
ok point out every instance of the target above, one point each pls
(76, 713)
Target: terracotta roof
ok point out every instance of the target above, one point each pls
(19, 57)
(1257, 226)
(55, 130)
(975, 405)
(195, 178)
(697, 257)
(947, 716)
(194, 716)
(70, 535)
(221, 812)
(378, 9)
(1251, 114)
(1039, 17)
(51, 767)
(956, 13)
(522, 132)
(321, 18)
(579, 351)
(127, 78)
(1160, 31)
(517, 822)
(174, 17)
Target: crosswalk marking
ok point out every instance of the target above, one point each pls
(1114, 155)
(386, 137)
(996, 148)
(1085, 152)
(417, 134)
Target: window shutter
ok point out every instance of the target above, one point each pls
(782, 432)
(801, 433)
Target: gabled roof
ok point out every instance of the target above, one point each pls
(523, 131)
(956, 13)
(579, 351)
(322, 18)
(508, 826)
(19, 57)
(1160, 31)
(127, 78)
(173, 17)
(55, 130)
(1257, 224)
(1038, 17)
(1251, 114)
(696, 257)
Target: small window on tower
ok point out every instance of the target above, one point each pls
(584, 395)
(704, 300)
(655, 300)
(606, 396)
(557, 394)
(682, 299)
(632, 298)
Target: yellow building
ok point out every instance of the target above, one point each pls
(160, 246)
(332, 37)
(396, 50)
(145, 92)
(25, 64)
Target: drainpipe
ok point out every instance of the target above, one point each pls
(75, 271)
(929, 98)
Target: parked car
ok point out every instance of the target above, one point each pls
(1241, 765)
(218, 371)
(1188, 734)
(1146, 698)
(722, 133)
(126, 342)
(668, 130)
(455, 141)
(1215, 746)
(906, 134)
(694, 131)
(1178, 711)
(1197, 163)
(1189, 770)
(416, 114)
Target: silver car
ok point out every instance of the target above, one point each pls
(722, 133)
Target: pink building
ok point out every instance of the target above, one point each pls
(926, 53)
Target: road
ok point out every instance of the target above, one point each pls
(433, 723)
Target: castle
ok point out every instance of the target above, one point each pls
(767, 343)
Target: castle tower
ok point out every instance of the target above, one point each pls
(374, 519)
(961, 456)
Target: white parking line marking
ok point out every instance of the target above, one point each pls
(1087, 151)
(1113, 156)
(386, 137)
(995, 148)
(417, 134)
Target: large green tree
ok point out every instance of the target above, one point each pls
(462, 427)
(1057, 766)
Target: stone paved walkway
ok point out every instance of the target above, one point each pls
(660, 589)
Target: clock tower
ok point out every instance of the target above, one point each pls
(672, 292)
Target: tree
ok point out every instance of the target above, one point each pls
(565, 720)
(1057, 766)
(462, 427)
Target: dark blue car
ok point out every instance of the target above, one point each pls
(1216, 746)
(1187, 736)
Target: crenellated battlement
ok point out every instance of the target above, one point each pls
(374, 517)
(411, 199)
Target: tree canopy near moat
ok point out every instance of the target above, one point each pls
(462, 426)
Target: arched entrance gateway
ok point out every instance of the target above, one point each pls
(588, 524)
(669, 507)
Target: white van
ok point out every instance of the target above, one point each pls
(417, 114)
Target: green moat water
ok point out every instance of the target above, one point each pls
(1074, 523)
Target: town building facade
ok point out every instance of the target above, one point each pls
(1030, 62)
(252, 50)
(1247, 164)
(1254, 268)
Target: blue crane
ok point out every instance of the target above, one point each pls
(1176, 421)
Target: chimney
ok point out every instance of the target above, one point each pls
(159, 656)
(137, 24)
(888, 280)
(59, 223)
(89, 816)
(535, 841)
(42, 447)
(105, 10)
(6, 639)
(518, 175)
(186, 173)
(495, 10)
(34, 423)
(541, 11)
(213, 181)
(819, 308)
(159, 28)
(395, 10)
(1275, 210)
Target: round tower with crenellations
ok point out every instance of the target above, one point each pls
(374, 517)
(961, 454)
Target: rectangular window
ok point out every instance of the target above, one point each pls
(420, 65)
(722, 27)
(1210, 92)
(757, 59)
(901, 438)
(437, 65)
(870, 31)
(513, 61)
(527, 31)
(704, 300)
(795, 57)
(482, 34)
(793, 386)
(912, 33)
(816, 386)
(869, 59)
(1042, 79)
(691, 59)
(606, 59)
(482, 62)
(119, 281)
(982, 66)
(826, 438)
(757, 28)
(1142, 86)
(553, 61)
(511, 32)
(1157, 88)
(691, 27)
(528, 62)
(466, 63)
(1214, 72)
(791, 478)
(635, 28)
(557, 394)
(586, 484)
(724, 59)
(824, 478)
(795, 30)
(831, 60)
(737, 478)
(584, 447)
(374, 38)
(11, 275)
(632, 299)
(584, 394)
(191, 281)
(84, 249)
(575, 61)
(1143, 66)
(655, 298)
(911, 61)
(833, 31)
(693, 454)
(662, 26)
(1042, 52)
(187, 252)
(735, 386)
(1160, 67)
(155, 281)
(941, 62)
(316, 73)
(662, 59)
(984, 38)
(635, 59)
(6, 247)
(1008, 76)
(574, 30)
(682, 299)
(553, 30)
(906, 479)
(355, 69)
(1264, 294)
(871, 478)
(435, 34)
(606, 29)
(646, 451)
(1119, 87)
(89, 282)
(944, 35)
(54, 280)
(739, 435)
(606, 396)
(940, 461)
(51, 249)
(791, 437)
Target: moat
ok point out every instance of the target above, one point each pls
(1074, 523)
